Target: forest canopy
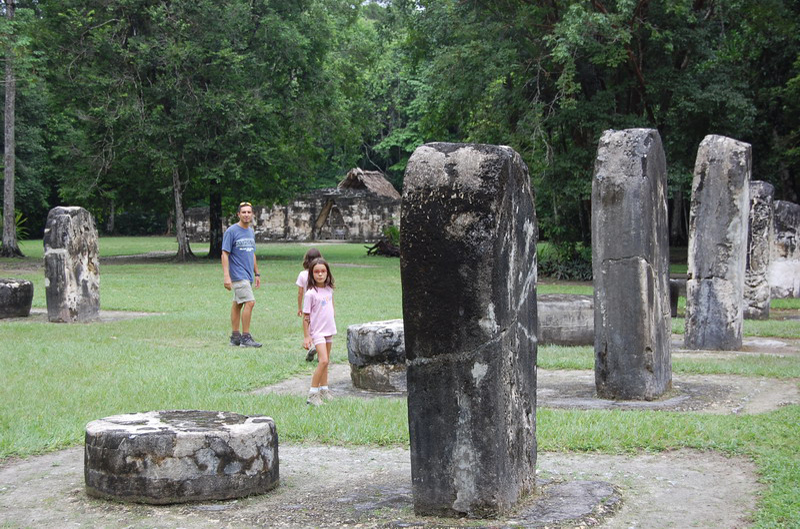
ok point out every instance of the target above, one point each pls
(138, 109)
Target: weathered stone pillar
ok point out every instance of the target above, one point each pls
(759, 245)
(71, 266)
(784, 267)
(630, 264)
(468, 268)
(717, 244)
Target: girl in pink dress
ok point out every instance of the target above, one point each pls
(319, 326)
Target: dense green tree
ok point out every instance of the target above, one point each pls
(547, 77)
(202, 98)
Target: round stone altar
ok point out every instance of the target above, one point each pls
(16, 296)
(162, 457)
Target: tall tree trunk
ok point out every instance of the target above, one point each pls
(111, 217)
(214, 221)
(677, 227)
(10, 247)
(184, 251)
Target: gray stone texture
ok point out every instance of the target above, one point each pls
(71, 266)
(759, 245)
(630, 261)
(565, 319)
(377, 355)
(163, 457)
(718, 220)
(16, 296)
(784, 267)
(468, 268)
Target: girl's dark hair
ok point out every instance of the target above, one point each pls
(311, 282)
(311, 254)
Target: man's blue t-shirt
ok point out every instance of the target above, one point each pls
(240, 243)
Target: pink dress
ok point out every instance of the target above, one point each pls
(318, 303)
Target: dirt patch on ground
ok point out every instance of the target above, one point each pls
(573, 389)
(324, 486)
(106, 316)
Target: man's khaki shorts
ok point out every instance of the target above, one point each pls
(242, 291)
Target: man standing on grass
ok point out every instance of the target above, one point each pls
(240, 271)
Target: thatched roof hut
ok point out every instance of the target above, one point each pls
(373, 181)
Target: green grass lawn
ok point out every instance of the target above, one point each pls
(54, 378)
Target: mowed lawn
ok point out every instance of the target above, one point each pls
(54, 378)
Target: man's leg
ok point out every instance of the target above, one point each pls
(247, 311)
(247, 339)
(236, 315)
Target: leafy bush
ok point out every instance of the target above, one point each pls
(566, 261)
(19, 222)
(392, 234)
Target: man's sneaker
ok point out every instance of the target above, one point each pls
(314, 399)
(236, 339)
(326, 394)
(247, 341)
(310, 354)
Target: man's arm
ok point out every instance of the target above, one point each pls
(255, 270)
(226, 271)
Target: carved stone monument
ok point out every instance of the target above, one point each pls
(16, 297)
(377, 355)
(71, 266)
(784, 267)
(162, 457)
(468, 269)
(630, 260)
(718, 220)
(759, 245)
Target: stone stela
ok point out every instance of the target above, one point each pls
(630, 259)
(71, 266)
(718, 220)
(757, 294)
(784, 266)
(468, 269)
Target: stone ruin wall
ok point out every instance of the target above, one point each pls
(354, 215)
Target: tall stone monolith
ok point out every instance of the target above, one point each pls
(468, 267)
(71, 266)
(759, 245)
(630, 264)
(784, 266)
(718, 220)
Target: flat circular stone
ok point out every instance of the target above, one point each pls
(16, 296)
(162, 457)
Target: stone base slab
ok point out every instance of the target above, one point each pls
(565, 319)
(379, 377)
(16, 297)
